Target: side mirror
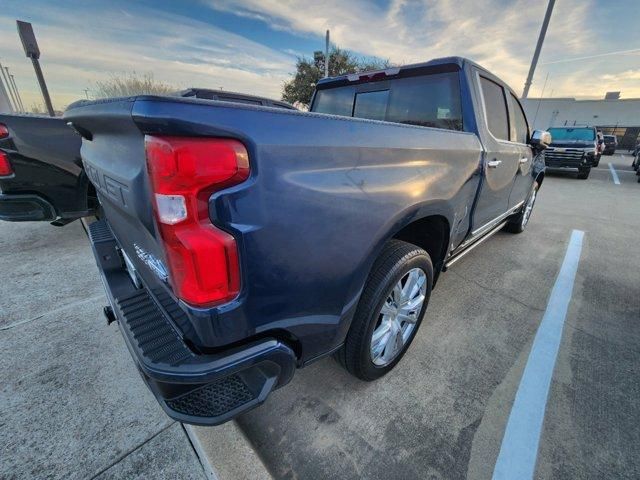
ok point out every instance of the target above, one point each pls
(540, 139)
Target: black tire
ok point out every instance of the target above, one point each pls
(395, 261)
(583, 173)
(518, 223)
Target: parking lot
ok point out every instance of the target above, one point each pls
(73, 406)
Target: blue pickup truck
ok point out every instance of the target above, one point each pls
(242, 242)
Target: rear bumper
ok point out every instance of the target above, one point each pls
(191, 387)
(25, 208)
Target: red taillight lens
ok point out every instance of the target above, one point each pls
(202, 259)
(4, 131)
(5, 166)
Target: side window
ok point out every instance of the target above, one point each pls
(519, 128)
(495, 104)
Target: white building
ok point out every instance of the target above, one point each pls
(613, 117)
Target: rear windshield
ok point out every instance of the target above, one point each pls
(585, 134)
(610, 138)
(428, 100)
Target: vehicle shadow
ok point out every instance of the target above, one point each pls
(561, 173)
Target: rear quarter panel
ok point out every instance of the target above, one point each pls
(325, 194)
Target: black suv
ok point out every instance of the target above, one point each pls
(573, 147)
(610, 144)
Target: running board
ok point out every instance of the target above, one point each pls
(461, 254)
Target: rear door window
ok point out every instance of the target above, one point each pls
(495, 105)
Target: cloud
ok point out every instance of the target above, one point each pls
(633, 51)
(92, 44)
(500, 35)
(87, 41)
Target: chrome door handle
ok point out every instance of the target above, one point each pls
(524, 160)
(494, 163)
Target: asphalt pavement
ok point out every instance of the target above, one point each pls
(73, 406)
(442, 412)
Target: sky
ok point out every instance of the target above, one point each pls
(251, 46)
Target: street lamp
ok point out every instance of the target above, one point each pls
(30, 45)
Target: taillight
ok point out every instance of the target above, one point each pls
(4, 131)
(202, 259)
(5, 166)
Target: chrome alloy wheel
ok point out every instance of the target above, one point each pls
(398, 316)
(529, 207)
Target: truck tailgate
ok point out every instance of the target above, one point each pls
(114, 158)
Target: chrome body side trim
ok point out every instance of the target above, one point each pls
(472, 245)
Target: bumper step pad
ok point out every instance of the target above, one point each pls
(214, 399)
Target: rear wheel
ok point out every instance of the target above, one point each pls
(583, 173)
(393, 303)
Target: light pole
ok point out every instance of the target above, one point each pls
(536, 54)
(5, 72)
(15, 89)
(326, 55)
(30, 45)
(5, 102)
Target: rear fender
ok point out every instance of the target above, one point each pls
(387, 232)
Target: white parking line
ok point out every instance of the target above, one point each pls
(519, 449)
(614, 174)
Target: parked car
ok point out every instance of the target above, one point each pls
(610, 144)
(235, 97)
(599, 147)
(41, 173)
(574, 148)
(242, 242)
(636, 162)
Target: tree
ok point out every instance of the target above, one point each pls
(130, 84)
(299, 89)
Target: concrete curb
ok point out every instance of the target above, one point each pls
(225, 453)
